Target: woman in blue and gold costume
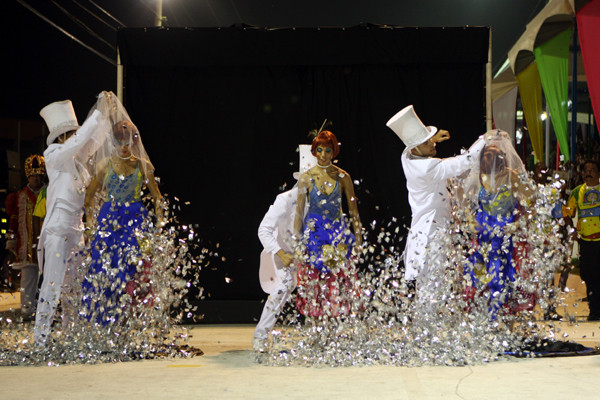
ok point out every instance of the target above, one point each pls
(326, 279)
(121, 221)
(500, 192)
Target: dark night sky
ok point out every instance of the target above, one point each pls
(43, 65)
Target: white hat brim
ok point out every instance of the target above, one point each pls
(59, 131)
(432, 131)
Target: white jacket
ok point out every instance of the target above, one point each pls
(275, 230)
(65, 184)
(428, 197)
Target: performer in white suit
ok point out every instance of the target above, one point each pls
(426, 183)
(62, 230)
(277, 267)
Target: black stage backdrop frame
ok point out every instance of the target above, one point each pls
(222, 110)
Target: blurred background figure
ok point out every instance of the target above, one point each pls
(584, 203)
(24, 231)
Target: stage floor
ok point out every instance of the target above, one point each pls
(228, 370)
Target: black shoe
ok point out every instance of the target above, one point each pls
(28, 317)
(553, 317)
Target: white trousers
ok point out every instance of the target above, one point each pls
(431, 284)
(63, 235)
(276, 301)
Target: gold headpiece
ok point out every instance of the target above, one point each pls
(35, 165)
(314, 133)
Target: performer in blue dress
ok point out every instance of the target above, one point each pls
(496, 211)
(328, 234)
(326, 280)
(121, 222)
(500, 187)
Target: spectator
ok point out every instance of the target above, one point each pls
(24, 230)
(584, 202)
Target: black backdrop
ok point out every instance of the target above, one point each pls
(221, 112)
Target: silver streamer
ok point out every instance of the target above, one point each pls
(444, 320)
(139, 320)
(373, 316)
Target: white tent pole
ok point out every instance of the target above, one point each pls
(159, 15)
(547, 139)
(488, 86)
(573, 135)
(119, 77)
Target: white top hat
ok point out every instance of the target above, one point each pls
(60, 118)
(409, 127)
(307, 160)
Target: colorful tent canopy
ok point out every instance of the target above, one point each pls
(545, 43)
(552, 58)
(588, 23)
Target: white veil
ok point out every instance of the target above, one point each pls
(117, 127)
(499, 165)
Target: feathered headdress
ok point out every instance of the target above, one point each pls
(314, 132)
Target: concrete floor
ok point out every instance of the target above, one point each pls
(228, 370)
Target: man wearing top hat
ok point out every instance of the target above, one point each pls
(426, 183)
(69, 147)
(277, 268)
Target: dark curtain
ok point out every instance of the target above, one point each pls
(221, 112)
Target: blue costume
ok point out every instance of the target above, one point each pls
(496, 211)
(329, 236)
(325, 285)
(115, 252)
